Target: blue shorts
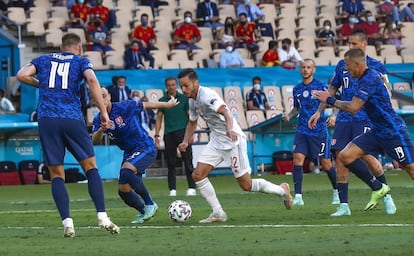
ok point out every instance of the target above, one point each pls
(141, 158)
(311, 146)
(399, 148)
(57, 134)
(345, 132)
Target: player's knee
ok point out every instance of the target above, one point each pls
(410, 170)
(124, 175)
(196, 176)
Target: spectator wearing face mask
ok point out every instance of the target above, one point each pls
(405, 15)
(348, 27)
(255, 98)
(107, 16)
(99, 36)
(355, 7)
(372, 30)
(288, 55)
(120, 91)
(327, 36)
(246, 33)
(187, 34)
(133, 57)
(145, 34)
(385, 9)
(207, 12)
(231, 58)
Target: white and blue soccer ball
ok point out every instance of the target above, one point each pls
(179, 211)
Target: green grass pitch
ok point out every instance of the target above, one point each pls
(258, 224)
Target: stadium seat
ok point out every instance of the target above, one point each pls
(254, 117)
(274, 97)
(154, 95)
(28, 171)
(9, 174)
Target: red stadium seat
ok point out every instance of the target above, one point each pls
(9, 175)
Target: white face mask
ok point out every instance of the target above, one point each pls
(387, 1)
(256, 86)
(370, 19)
(229, 48)
(327, 27)
(187, 20)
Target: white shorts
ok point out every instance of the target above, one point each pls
(237, 157)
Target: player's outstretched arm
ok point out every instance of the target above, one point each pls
(153, 105)
(349, 106)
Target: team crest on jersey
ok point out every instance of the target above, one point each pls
(212, 101)
(305, 94)
(90, 65)
(333, 141)
(119, 122)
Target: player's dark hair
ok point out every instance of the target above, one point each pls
(192, 75)
(70, 39)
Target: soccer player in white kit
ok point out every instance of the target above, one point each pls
(227, 141)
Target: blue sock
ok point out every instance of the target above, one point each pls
(332, 177)
(95, 189)
(61, 197)
(135, 181)
(132, 199)
(343, 192)
(298, 178)
(361, 170)
(382, 179)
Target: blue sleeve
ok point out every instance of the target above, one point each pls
(337, 76)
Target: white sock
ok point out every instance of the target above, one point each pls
(208, 192)
(264, 186)
(68, 222)
(102, 215)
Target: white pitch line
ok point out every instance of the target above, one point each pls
(231, 226)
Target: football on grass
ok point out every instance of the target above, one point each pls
(179, 211)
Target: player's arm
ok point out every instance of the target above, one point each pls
(27, 75)
(292, 113)
(223, 110)
(154, 105)
(188, 135)
(349, 106)
(96, 92)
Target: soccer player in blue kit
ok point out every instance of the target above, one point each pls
(349, 126)
(62, 125)
(389, 133)
(311, 143)
(126, 131)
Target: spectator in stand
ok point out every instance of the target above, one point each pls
(207, 12)
(255, 98)
(78, 14)
(231, 58)
(119, 92)
(327, 36)
(252, 11)
(347, 28)
(154, 4)
(226, 34)
(6, 106)
(405, 15)
(372, 30)
(246, 33)
(385, 9)
(187, 34)
(391, 34)
(145, 34)
(271, 57)
(99, 36)
(355, 7)
(107, 16)
(133, 57)
(288, 55)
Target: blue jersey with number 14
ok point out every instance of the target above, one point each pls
(60, 76)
